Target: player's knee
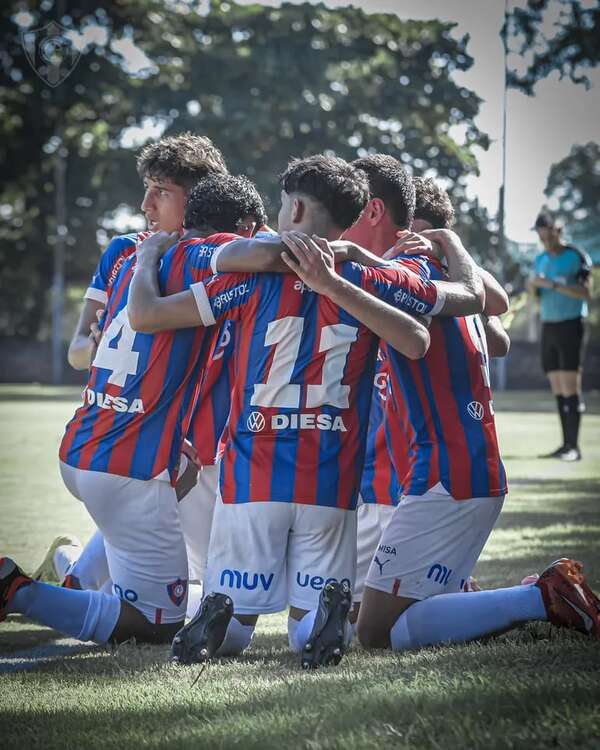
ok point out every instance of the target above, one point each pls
(372, 634)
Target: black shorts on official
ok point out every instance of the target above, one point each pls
(562, 345)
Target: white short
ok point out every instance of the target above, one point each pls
(196, 513)
(371, 521)
(431, 544)
(267, 555)
(144, 544)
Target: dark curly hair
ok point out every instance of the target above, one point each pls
(389, 181)
(221, 202)
(184, 159)
(341, 188)
(433, 203)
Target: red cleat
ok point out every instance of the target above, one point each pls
(11, 580)
(569, 601)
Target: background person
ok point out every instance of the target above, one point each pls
(562, 280)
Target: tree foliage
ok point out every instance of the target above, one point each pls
(265, 84)
(554, 35)
(573, 189)
(574, 183)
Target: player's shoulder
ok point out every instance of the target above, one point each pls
(125, 242)
(578, 255)
(220, 238)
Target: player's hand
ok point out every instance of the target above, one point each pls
(155, 246)
(315, 262)
(95, 334)
(541, 282)
(410, 243)
(191, 453)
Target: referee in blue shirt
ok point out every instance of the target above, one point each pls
(562, 280)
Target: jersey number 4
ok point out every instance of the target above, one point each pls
(122, 360)
(286, 336)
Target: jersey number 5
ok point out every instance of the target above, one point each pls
(286, 335)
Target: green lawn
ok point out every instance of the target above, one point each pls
(536, 687)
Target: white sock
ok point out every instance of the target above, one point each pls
(348, 633)
(64, 557)
(237, 638)
(91, 567)
(194, 599)
(299, 630)
(456, 618)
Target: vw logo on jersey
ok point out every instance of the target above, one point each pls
(475, 409)
(256, 422)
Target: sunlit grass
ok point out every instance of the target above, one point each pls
(534, 687)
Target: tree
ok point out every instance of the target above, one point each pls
(573, 188)
(569, 45)
(574, 183)
(265, 84)
(79, 122)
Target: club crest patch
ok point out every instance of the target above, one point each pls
(177, 591)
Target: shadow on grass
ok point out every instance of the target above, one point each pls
(521, 685)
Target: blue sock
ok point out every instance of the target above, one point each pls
(299, 630)
(456, 618)
(86, 615)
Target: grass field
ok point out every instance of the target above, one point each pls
(535, 687)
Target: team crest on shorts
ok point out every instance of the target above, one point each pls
(177, 591)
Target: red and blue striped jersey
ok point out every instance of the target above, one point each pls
(113, 257)
(379, 483)
(214, 401)
(440, 417)
(304, 380)
(142, 388)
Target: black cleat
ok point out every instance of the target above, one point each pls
(198, 641)
(326, 643)
(11, 580)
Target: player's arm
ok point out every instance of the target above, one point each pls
(316, 267)
(583, 288)
(498, 341)
(345, 250)
(149, 312)
(250, 255)
(264, 255)
(82, 346)
(496, 298)
(464, 292)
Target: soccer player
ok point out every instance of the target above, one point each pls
(394, 198)
(453, 489)
(121, 451)
(284, 527)
(563, 282)
(169, 169)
